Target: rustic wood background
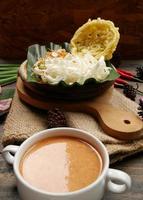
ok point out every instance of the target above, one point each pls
(25, 22)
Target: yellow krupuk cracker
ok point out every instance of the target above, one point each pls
(99, 37)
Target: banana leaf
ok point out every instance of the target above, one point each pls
(7, 93)
(36, 51)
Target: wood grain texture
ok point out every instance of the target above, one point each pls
(25, 22)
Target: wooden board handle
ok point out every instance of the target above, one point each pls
(116, 122)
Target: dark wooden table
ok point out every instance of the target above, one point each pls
(132, 165)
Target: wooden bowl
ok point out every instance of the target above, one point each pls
(90, 89)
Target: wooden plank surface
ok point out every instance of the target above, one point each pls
(132, 165)
(27, 22)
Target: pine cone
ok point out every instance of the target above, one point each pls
(130, 92)
(140, 108)
(139, 73)
(56, 118)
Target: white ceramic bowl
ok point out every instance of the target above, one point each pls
(94, 191)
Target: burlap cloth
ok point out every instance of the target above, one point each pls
(24, 120)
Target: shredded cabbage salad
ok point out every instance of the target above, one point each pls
(59, 66)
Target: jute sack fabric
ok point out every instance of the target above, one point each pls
(24, 121)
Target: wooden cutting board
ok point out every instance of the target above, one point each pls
(114, 121)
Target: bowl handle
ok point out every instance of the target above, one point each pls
(8, 153)
(123, 178)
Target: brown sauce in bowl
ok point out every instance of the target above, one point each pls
(61, 164)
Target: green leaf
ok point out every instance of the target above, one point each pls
(4, 81)
(113, 73)
(36, 51)
(9, 72)
(3, 76)
(8, 68)
(9, 65)
(7, 93)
